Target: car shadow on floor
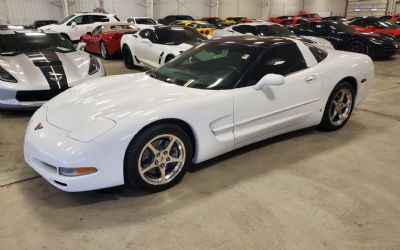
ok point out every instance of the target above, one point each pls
(119, 205)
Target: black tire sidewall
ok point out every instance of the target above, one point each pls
(131, 169)
(326, 124)
(125, 53)
(364, 50)
(107, 56)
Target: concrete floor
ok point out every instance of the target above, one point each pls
(304, 190)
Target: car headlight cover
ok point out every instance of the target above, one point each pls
(6, 77)
(92, 129)
(94, 65)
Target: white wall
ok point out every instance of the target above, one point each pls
(195, 8)
(337, 7)
(26, 11)
(259, 9)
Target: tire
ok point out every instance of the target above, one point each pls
(128, 57)
(103, 51)
(169, 58)
(151, 151)
(335, 117)
(357, 47)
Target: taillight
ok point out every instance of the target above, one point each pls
(207, 32)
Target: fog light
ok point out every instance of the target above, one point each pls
(76, 171)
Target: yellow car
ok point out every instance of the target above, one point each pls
(238, 19)
(206, 29)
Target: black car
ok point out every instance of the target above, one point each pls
(393, 18)
(172, 18)
(39, 23)
(216, 21)
(345, 37)
(335, 18)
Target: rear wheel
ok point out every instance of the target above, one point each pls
(104, 51)
(128, 57)
(338, 108)
(357, 47)
(158, 157)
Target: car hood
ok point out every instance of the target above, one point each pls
(385, 38)
(115, 97)
(27, 68)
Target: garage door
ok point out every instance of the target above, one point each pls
(366, 8)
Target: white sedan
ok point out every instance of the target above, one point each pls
(146, 129)
(153, 46)
(270, 29)
(36, 66)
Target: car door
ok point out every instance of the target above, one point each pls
(95, 39)
(147, 49)
(79, 25)
(259, 114)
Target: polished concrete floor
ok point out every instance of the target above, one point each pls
(304, 190)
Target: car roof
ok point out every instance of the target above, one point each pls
(140, 17)
(255, 24)
(25, 31)
(258, 41)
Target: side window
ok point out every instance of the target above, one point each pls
(87, 19)
(282, 59)
(78, 20)
(131, 20)
(100, 18)
(245, 29)
(149, 34)
(318, 53)
(97, 30)
(286, 22)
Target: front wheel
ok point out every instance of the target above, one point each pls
(128, 57)
(338, 108)
(357, 47)
(158, 157)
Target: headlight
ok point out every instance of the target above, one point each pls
(7, 77)
(94, 65)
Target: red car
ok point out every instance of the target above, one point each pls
(377, 25)
(105, 39)
(393, 18)
(293, 21)
(279, 19)
(309, 15)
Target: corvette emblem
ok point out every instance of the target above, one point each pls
(39, 126)
(55, 76)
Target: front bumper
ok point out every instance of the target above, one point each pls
(48, 149)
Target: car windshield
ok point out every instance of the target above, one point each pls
(200, 25)
(121, 27)
(178, 35)
(386, 25)
(192, 68)
(338, 27)
(13, 44)
(148, 21)
(65, 19)
(273, 30)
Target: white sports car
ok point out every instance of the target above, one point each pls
(153, 46)
(146, 129)
(141, 22)
(36, 66)
(270, 29)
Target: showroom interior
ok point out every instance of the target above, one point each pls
(200, 124)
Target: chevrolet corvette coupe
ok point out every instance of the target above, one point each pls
(270, 29)
(345, 37)
(146, 129)
(36, 66)
(154, 46)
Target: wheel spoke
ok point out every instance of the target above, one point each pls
(162, 171)
(170, 144)
(148, 168)
(176, 160)
(152, 148)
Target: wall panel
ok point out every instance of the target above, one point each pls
(336, 7)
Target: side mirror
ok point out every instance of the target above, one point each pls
(81, 46)
(89, 33)
(73, 24)
(269, 80)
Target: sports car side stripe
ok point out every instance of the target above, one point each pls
(51, 66)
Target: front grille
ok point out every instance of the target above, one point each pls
(36, 95)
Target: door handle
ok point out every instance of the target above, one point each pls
(310, 78)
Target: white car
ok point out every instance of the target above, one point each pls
(142, 22)
(36, 66)
(146, 129)
(154, 46)
(74, 26)
(270, 29)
